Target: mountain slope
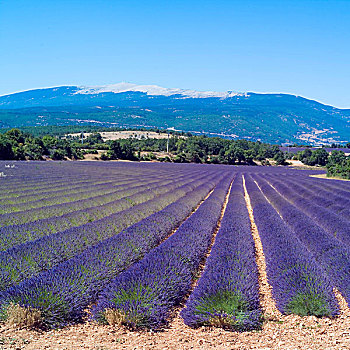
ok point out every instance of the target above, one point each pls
(277, 118)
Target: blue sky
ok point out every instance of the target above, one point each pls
(300, 46)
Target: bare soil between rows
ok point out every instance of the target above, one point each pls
(282, 332)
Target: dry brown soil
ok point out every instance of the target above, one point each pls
(279, 332)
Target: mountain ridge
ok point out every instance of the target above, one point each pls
(84, 89)
(278, 118)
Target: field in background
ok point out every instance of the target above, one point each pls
(127, 134)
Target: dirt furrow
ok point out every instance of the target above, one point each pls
(267, 302)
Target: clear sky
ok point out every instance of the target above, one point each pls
(298, 46)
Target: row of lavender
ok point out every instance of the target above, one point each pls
(327, 247)
(302, 271)
(20, 195)
(299, 284)
(27, 259)
(97, 196)
(330, 208)
(61, 294)
(35, 177)
(84, 213)
(32, 176)
(45, 199)
(54, 178)
(65, 205)
(71, 193)
(144, 295)
(227, 294)
(213, 203)
(32, 224)
(59, 209)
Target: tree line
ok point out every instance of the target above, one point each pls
(179, 147)
(18, 145)
(187, 149)
(337, 163)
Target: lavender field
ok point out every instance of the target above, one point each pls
(130, 243)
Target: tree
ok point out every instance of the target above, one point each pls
(230, 155)
(305, 156)
(118, 151)
(194, 157)
(115, 150)
(128, 152)
(49, 142)
(249, 156)
(15, 136)
(235, 153)
(58, 154)
(33, 150)
(5, 148)
(319, 157)
(19, 152)
(336, 157)
(94, 138)
(180, 158)
(239, 154)
(280, 158)
(338, 165)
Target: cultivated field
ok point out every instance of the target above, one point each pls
(127, 134)
(103, 255)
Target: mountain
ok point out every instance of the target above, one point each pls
(275, 118)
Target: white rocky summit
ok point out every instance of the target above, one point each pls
(155, 90)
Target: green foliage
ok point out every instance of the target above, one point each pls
(14, 144)
(230, 307)
(227, 301)
(15, 136)
(337, 157)
(57, 154)
(94, 138)
(148, 156)
(33, 149)
(142, 297)
(6, 151)
(120, 151)
(317, 157)
(280, 158)
(202, 149)
(235, 154)
(308, 304)
(338, 165)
